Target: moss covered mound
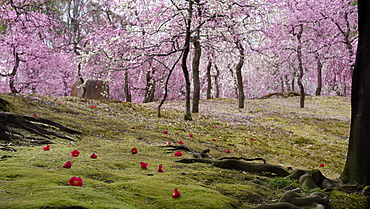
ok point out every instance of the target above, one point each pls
(275, 129)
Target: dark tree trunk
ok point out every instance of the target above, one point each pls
(184, 61)
(209, 80)
(217, 84)
(150, 87)
(195, 66)
(239, 77)
(357, 167)
(127, 88)
(166, 86)
(319, 76)
(300, 66)
(14, 72)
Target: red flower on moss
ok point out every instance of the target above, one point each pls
(160, 169)
(165, 132)
(181, 142)
(191, 135)
(251, 139)
(144, 165)
(93, 155)
(47, 147)
(322, 165)
(134, 150)
(278, 154)
(214, 126)
(169, 143)
(76, 181)
(214, 140)
(68, 164)
(75, 153)
(133, 127)
(176, 193)
(93, 106)
(34, 115)
(228, 151)
(177, 154)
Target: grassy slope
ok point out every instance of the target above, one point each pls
(33, 178)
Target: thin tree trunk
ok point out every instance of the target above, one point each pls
(184, 61)
(357, 167)
(127, 88)
(239, 76)
(14, 72)
(195, 66)
(166, 86)
(319, 76)
(209, 80)
(217, 84)
(300, 66)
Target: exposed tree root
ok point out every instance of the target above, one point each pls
(237, 164)
(291, 199)
(35, 125)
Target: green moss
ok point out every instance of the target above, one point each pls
(33, 178)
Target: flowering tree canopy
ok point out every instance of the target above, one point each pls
(231, 49)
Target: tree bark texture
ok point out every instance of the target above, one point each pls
(239, 76)
(357, 167)
(184, 61)
(319, 76)
(300, 66)
(195, 66)
(209, 80)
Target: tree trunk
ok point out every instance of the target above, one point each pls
(239, 76)
(184, 61)
(319, 76)
(195, 66)
(217, 84)
(14, 72)
(166, 86)
(209, 80)
(300, 66)
(357, 167)
(127, 88)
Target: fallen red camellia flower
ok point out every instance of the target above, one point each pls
(191, 135)
(94, 155)
(322, 165)
(251, 139)
(76, 181)
(93, 106)
(176, 193)
(169, 143)
(134, 150)
(133, 127)
(144, 165)
(178, 154)
(68, 164)
(228, 151)
(160, 169)
(181, 142)
(277, 154)
(47, 147)
(34, 115)
(165, 132)
(75, 153)
(214, 140)
(214, 127)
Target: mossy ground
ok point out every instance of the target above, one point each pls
(305, 138)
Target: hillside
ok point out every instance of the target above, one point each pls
(304, 139)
